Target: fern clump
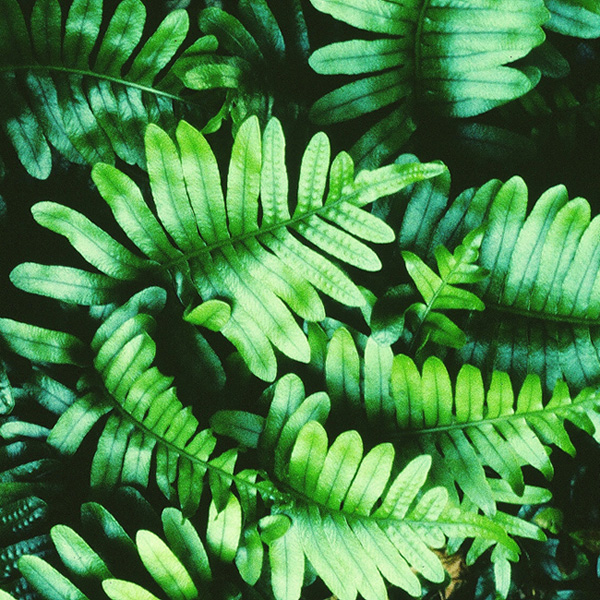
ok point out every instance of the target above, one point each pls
(221, 249)
(274, 369)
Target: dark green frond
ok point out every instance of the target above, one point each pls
(87, 94)
(437, 56)
(262, 50)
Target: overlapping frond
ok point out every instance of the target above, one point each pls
(542, 294)
(418, 323)
(145, 417)
(467, 427)
(250, 246)
(352, 516)
(88, 94)
(437, 55)
(255, 62)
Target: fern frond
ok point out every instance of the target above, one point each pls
(146, 418)
(442, 56)
(579, 18)
(256, 63)
(351, 517)
(466, 427)
(87, 94)
(420, 322)
(221, 248)
(541, 296)
(178, 566)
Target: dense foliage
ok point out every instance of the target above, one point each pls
(326, 320)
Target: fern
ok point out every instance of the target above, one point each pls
(465, 426)
(221, 250)
(88, 95)
(437, 55)
(352, 519)
(425, 321)
(324, 490)
(541, 297)
(579, 18)
(179, 567)
(144, 406)
(254, 61)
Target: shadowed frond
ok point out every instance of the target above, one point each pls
(85, 93)
(542, 295)
(263, 49)
(440, 56)
(178, 566)
(250, 246)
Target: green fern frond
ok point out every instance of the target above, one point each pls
(351, 517)
(420, 322)
(445, 57)
(146, 418)
(254, 61)
(466, 427)
(220, 247)
(579, 18)
(541, 296)
(179, 566)
(22, 531)
(86, 94)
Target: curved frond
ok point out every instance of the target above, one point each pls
(467, 427)
(541, 296)
(85, 93)
(357, 520)
(445, 56)
(248, 245)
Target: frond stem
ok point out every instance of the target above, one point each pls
(99, 76)
(591, 398)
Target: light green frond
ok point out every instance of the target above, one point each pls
(418, 323)
(579, 18)
(466, 426)
(353, 515)
(441, 55)
(246, 247)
